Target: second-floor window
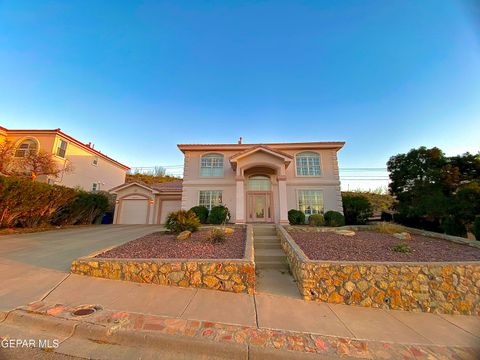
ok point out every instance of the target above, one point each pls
(308, 164)
(211, 165)
(95, 160)
(26, 147)
(62, 149)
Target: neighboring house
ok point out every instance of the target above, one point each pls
(91, 169)
(257, 182)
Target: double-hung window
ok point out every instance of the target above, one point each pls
(308, 164)
(211, 165)
(310, 201)
(62, 149)
(210, 198)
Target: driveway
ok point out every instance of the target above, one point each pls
(32, 265)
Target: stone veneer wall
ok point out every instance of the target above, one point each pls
(449, 288)
(220, 274)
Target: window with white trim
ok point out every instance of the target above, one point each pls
(310, 201)
(26, 147)
(308, 164)
(211, 165)
(210, 198)
(62, 149)
(95, 161)
(94, 186)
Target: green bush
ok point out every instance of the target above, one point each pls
(453, 226)
(334, 218)
(316, 220)
(402, 248)
(181, 220)
(86, 208)
(217, 236)
(296, 217)
(201, 212)
(476, 228)
(357, 209)
(219, 215)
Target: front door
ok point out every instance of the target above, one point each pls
(259, 207)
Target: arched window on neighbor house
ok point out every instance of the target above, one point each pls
(211, 165)
(26, 147)
(308, 164)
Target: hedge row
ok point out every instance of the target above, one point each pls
(27, 203)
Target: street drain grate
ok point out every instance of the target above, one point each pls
(86, 310)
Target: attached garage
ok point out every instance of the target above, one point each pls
(134, 211)
(140, 203)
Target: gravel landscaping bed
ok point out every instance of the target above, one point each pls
(374, 246)
(160, 245)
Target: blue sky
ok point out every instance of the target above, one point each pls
(138, 77)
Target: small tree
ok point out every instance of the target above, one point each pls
(357, 209)
(40, 163)
(7, 151)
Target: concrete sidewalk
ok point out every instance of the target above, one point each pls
(270, 312)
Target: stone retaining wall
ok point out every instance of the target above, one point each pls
(450, 288)
(223, 274)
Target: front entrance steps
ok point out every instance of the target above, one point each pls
(273, 274)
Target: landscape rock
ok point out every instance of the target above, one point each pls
(228, 230)
(403, 236)
(345, 232)
(184, 235)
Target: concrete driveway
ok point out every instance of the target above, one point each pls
(32, 265)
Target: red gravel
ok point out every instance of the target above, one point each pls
(374, 246)
(165, 246)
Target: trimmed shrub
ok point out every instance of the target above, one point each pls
(476, 228)
(217, 236)
(316, 220)
(453, 226)
(357, 209)
(27, 203)
(219, 215)
(201, 212)
(296, 217)
(334, 218)
(181, 220)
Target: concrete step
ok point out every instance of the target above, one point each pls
(264, 239)
(263, 230)
(267, 245)
(270, 255)
(271, 265)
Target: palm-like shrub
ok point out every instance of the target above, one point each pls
(181, 220)
(334, 218)
(296, 217)
(316, 220)
(217, 236)
(201, 212)
(219, 215)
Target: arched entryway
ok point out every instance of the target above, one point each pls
(259, 199)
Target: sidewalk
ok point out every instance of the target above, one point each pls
(364, 332)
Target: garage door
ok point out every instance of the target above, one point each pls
(167, 207)
(134, 211)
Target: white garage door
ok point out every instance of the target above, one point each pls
(167, 207)
(134, 211)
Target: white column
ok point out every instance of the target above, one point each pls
(282, 198)
(240, 201)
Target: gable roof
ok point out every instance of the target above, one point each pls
(60, 133)
(156, 188)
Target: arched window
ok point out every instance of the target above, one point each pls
(211, 165)
(26, 147)
(308, 164)
(259, 183)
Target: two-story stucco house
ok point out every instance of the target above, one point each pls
(90, 169)
(257, 182)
